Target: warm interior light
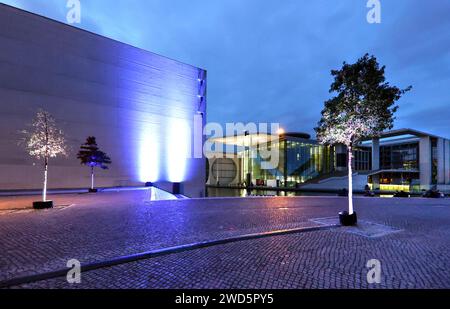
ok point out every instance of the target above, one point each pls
(280, 131)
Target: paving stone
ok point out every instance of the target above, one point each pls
(105, 226)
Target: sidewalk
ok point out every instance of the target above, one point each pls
(410, 237)
(20, 200)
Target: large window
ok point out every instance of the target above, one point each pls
(299, 161)
(363, 159)
(306, 160)
(398, 181)
(253, 165)
(404, 156)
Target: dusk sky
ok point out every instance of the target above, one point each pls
(270, 60)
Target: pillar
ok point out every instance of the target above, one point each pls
(425, 162)
(376, 163)
(375, 154)
(447, 161)
(441, 161)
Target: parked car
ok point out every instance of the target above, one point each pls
(402, 194)
(343, 192)
(369, 193)
(433, 194)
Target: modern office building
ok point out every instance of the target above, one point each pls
(399, 160)
(299, 159)
(144, 109)
(409, 160)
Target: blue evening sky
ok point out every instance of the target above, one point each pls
(270, 60)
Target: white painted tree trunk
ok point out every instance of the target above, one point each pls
(44, 191)
(350, 180)
(92, 178)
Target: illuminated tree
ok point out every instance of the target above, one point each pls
(364, 107)
(91, 156)
(45, 141)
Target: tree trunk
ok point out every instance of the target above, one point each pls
(44, 191)
(92, 178)
(350, 180)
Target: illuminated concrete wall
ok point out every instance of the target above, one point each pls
(441, 158)
(139, 105)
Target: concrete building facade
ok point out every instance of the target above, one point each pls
(146, 111)
(410, 158)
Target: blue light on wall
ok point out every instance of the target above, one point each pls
(178, 149)
(149, 158)
(158, 98)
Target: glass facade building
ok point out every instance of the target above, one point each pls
(399, 164)
(300, 159)
(398, 160)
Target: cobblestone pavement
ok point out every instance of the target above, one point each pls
(116, 224)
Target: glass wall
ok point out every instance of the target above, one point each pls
(362, 159)
(300, 160)
(253, 162)
(398, 181)
(305, 161)
(404, 156)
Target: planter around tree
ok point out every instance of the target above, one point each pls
(43, 205)
(348, 220)
(93, 190)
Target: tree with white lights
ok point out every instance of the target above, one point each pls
(364, 107)
(45, 141)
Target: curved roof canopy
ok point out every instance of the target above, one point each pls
(256, 139)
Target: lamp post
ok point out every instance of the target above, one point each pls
(247, 142)
(249, 171)
(281, 132)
